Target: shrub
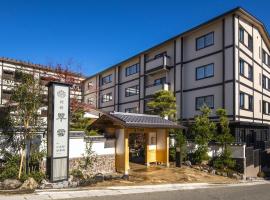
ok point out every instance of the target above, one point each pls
(92, 132)
(172, 153)
(77, 173)
(261, 174)
(11, 168)
(224, 161)
(200, 155)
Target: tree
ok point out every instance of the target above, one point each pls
(163, 104)
(181, 143)
(26, 100)
(224, 137)
(204, 130)
(77, 107)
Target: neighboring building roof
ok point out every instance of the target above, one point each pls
(132, 120)
(35, 66)
(239, 9)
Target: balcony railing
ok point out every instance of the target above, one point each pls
(151, 89)
(8, 76)
(157, 64)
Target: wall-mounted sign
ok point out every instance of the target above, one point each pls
(58, 131)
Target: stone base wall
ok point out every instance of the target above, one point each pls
(104, 164)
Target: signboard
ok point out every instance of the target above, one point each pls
(58, 131)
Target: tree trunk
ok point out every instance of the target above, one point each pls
(21, 163)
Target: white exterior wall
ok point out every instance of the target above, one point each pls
(77, 147)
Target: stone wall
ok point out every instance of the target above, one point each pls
(104, 164)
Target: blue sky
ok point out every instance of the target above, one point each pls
(96, 34)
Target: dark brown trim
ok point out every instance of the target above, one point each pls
(204, 56)
(238, 57)
(223, 63)
(253, 73)
(2, 84)
(181, 35)
(181, 75)
(174, 67)
(234, 79)
(204, 87)
(118, 86)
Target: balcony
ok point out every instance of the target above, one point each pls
(8, 76)
(157, 64)
(151, 89)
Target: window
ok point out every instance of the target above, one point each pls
(250, 72)
(264, 82)
(264, 55)
(90, 101)
(106, 97)
(131, 110)
(241, 67)
(250, 42)
(250, 102)
(90, 85)
(160, 81)
(205, 41)
(205, 71)
(106, 79)
(205, 100)
(266, 108)
(241, 34)
(131, 91)
(133, 69)
(242, 100)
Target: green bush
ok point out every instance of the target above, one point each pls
(172, 153)
(200, 155)
(261, 174)
(38, 176)
(92, 132)
(77, 173)
(224, 161)
(11, 168)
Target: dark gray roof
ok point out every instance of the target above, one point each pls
(143, 120)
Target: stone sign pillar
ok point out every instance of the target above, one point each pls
(58, 131)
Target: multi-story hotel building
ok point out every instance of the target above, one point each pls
(223, 63)
(8, 78)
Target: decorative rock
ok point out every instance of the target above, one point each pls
(99, 177)
(212, 171)
(29, 184)
(70, 179)
(188, 163)
(73, 184)
(10, 184)
(45, 184)
(125, 177)
(108, 177)
(224, 174)
(236, 176)
(1, 185)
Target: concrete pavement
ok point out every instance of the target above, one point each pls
(168, 191)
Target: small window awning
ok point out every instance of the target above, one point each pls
(132, 120)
